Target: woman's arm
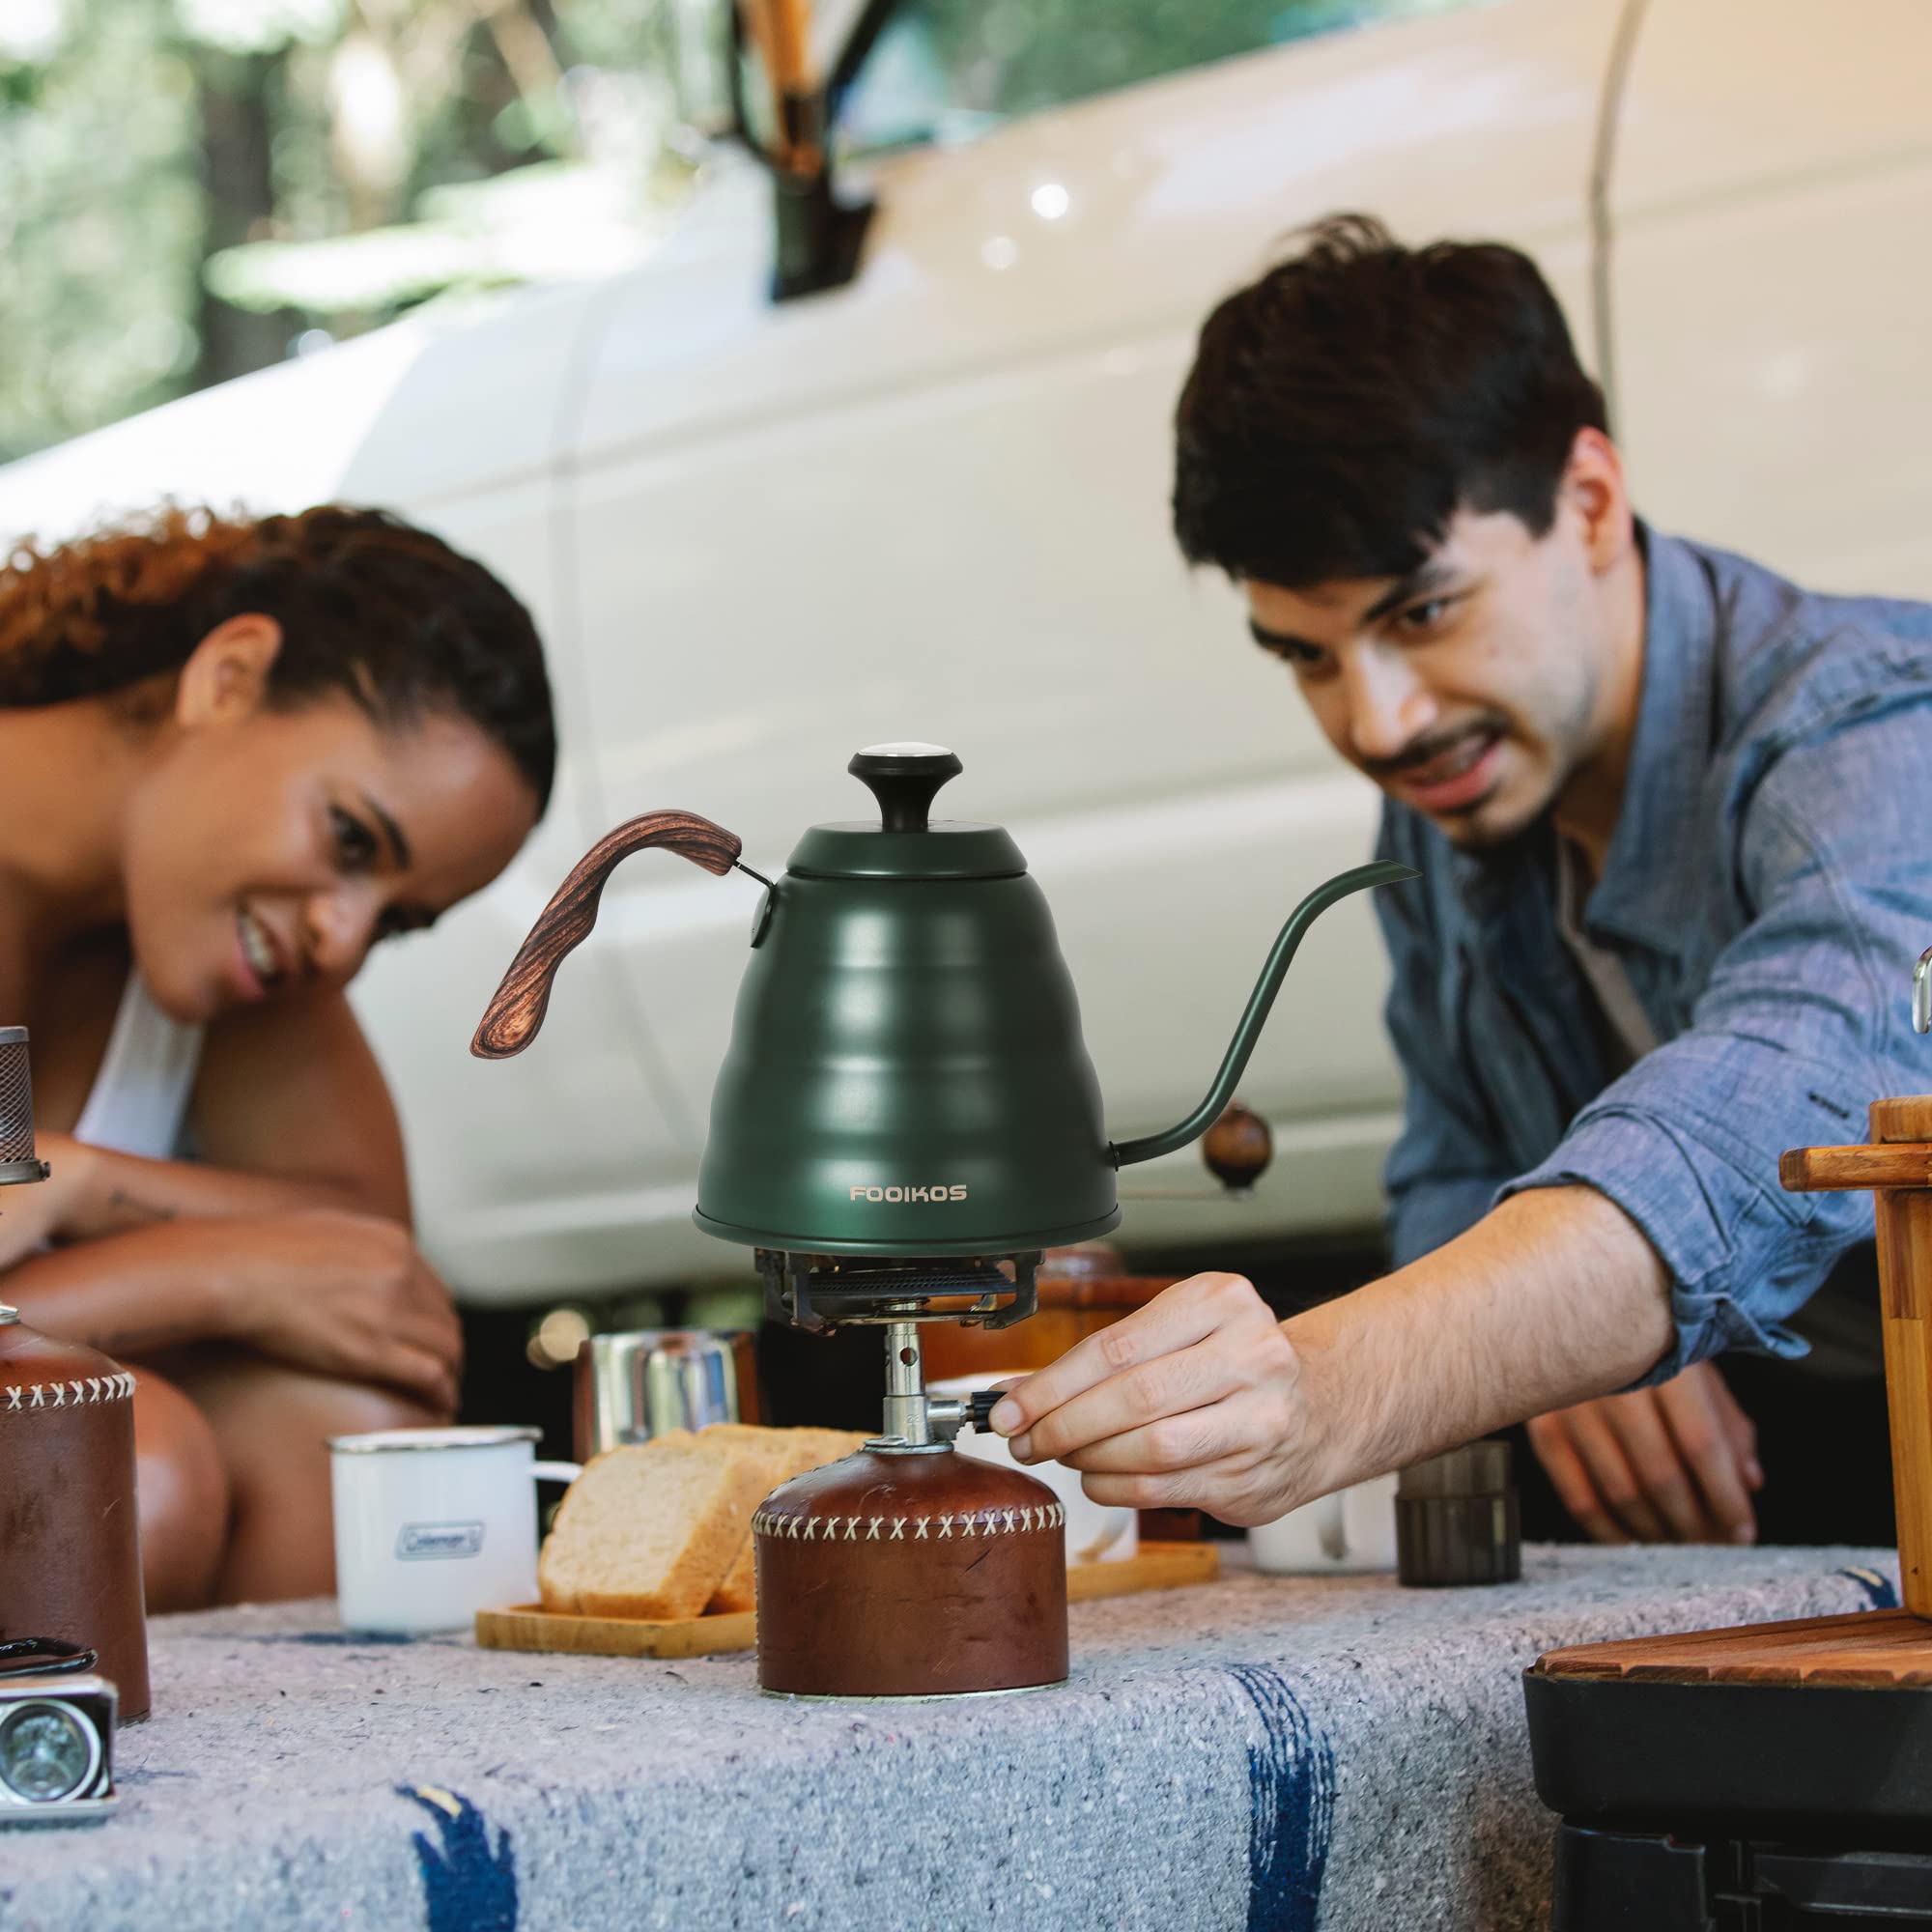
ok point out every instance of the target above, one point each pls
(130, 1295)
(341, 1294)
(290, 1112)
(290, 1239)
(93, 1193)
(289, 1093)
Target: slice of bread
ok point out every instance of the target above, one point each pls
(782, 1454)
(648, 1530)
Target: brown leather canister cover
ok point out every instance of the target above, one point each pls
(919, 1575)
(70, 1540)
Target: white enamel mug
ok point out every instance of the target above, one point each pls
(1348, 1533)
(1095, 1533)
(433, 1524)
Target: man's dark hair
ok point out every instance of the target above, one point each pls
(1341, 408)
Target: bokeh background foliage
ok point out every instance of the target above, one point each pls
(192, 188)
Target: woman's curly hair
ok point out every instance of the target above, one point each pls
(369, 607)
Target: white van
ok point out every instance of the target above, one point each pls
(930, 501)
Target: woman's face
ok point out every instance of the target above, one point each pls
(266, 851)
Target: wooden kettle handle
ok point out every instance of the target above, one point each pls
(517, 1011)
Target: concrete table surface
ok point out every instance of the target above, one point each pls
(1268, 1753)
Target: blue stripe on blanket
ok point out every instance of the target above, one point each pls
(1291, 1792)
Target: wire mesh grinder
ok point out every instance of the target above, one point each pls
(18, 1159)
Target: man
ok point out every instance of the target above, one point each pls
(1667, 812)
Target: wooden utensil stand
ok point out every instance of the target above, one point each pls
(1685, 1767)
(1896, 1165)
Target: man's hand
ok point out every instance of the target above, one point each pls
(1674, 1464)
(1194, 1401)
(1203, 1399)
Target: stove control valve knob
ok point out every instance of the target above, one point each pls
(946, 1415)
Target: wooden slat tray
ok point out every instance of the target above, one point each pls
(1879, 1648)
(1154, 1566)
(1158, 1566)
(531, 1626)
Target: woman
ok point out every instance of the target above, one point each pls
(233, 757)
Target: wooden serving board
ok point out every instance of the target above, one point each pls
(1154, 1566)
(531, 1626)
(1876, 1648)
(1158, 1566)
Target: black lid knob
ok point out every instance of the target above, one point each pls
(905, 778)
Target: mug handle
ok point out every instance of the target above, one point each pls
(556, 1472)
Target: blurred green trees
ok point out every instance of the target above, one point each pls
(1008, 57)
(182, 183)
(194, 188)
(949, 69)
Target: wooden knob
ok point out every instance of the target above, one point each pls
(1838, 1169)
(1237, 1148)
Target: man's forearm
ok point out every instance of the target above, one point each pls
(1553, 1297)
(131, 1296)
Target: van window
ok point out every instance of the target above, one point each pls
(948, 70)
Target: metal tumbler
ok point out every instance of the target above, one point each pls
(1457, 1518)
(629, 1387)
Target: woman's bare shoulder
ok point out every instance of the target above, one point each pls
(291, 1087)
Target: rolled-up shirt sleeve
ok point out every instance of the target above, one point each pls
(1444, 1169)
(1803, 1023)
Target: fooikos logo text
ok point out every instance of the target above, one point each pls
(936, 1193)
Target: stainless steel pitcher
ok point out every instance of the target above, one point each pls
(632, 1386)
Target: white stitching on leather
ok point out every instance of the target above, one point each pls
(939, 1528)
(81, 1393)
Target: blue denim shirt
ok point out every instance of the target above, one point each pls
(1766, 889)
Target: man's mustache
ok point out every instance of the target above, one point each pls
(1426, 751)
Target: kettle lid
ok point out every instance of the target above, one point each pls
(907, 844)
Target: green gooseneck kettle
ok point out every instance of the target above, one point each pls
(906, 1076)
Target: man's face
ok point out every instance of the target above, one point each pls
(1470, 690)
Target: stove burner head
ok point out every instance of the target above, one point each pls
(17, 1160)
(818, 1292)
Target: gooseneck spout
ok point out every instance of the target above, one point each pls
(1381, 872)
